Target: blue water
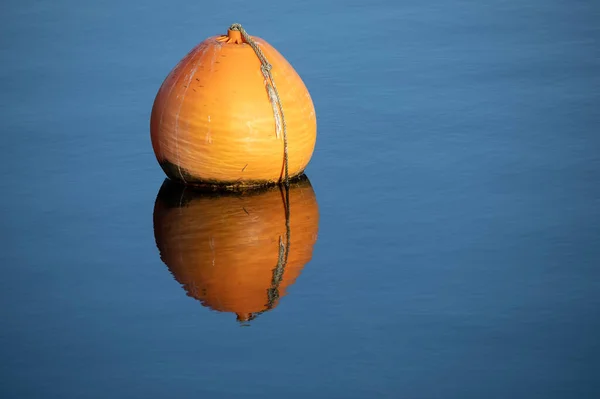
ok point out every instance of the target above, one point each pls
(456, 173)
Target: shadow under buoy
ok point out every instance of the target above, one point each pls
(236, 252)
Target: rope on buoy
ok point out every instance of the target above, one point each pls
(271, 87)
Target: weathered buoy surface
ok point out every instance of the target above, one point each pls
(217, 118)
(236, 253)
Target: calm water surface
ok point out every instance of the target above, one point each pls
(452, 248)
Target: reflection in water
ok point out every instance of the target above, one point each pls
(231, 250)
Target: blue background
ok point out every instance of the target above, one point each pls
(456, 171)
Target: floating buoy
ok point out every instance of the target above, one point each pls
(233, 112)
(234, 252)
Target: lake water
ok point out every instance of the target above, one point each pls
(454, 243)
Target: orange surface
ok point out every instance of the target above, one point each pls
(223, 249)
(213, 122)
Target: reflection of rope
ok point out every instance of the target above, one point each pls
(273, 291)
(282, 259)
(271, 90)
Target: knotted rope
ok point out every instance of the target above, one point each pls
(271, 89)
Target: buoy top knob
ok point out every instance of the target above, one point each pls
(234, 36)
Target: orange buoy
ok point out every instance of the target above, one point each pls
(233, 112)
(236, 253)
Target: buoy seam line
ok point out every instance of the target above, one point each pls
(266, 70)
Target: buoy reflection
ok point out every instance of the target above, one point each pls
(236, 252)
